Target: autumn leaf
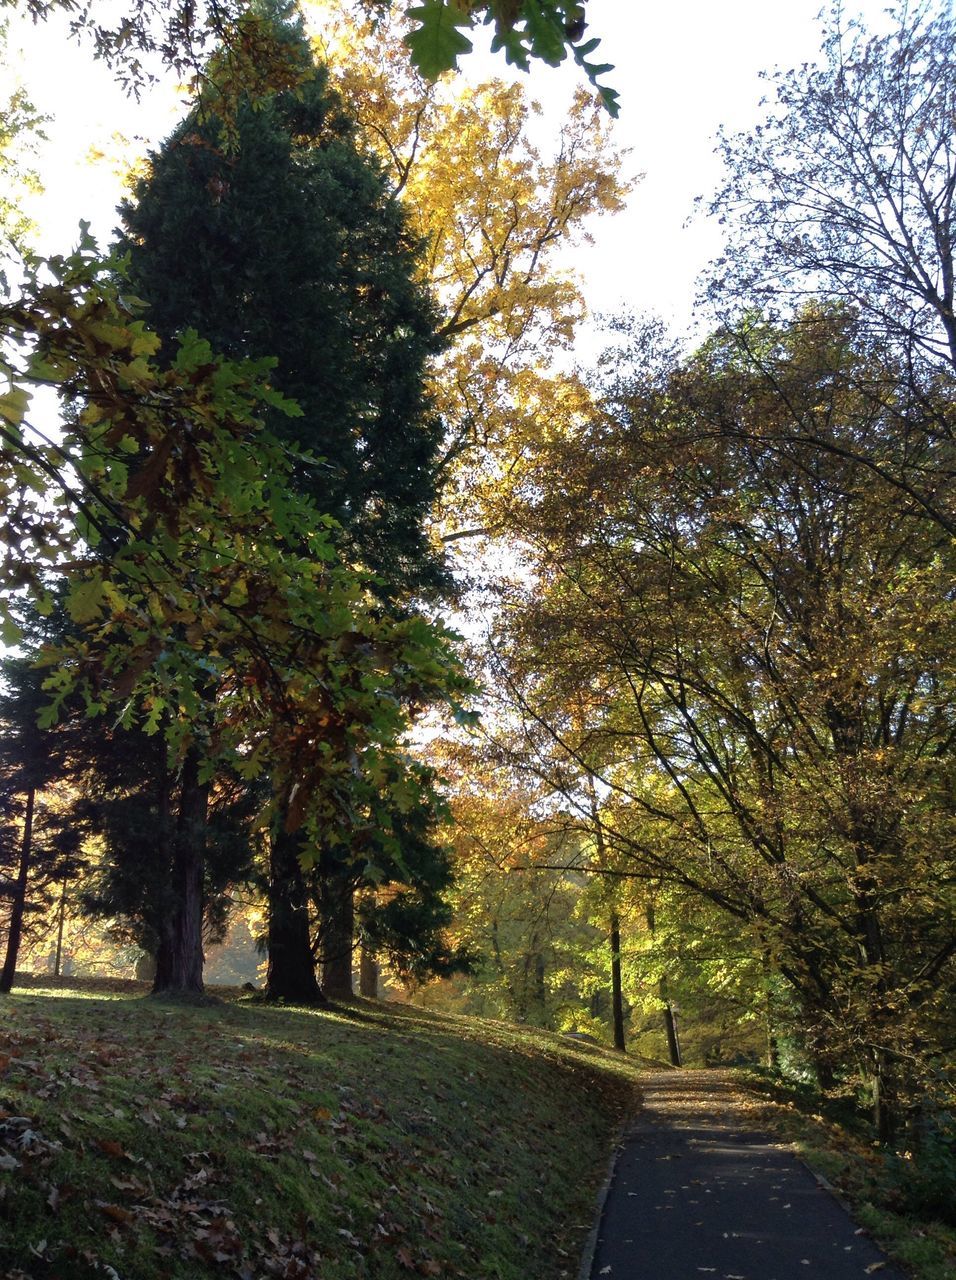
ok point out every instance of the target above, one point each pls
(116, 1213)
(112, 1148)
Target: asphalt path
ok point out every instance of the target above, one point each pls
(697, 1194)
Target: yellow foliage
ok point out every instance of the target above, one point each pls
(493, 211)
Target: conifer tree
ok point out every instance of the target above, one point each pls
(283, 240)
(287, 243)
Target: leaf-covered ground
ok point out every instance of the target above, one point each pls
(141, 1139)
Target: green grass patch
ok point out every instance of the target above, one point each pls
(142, 1140)
(832, 1139)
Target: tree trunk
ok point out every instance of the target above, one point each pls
(338, 928)
(886, 1109)
(670, 1026)
(670, 1021)
(19, 898)
(368, 973)
(179, 960)
(617, 997)
(773, 1048)
(60, 921)
(540, 989)
(291, 970)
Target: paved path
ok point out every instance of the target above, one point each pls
(698, 1195)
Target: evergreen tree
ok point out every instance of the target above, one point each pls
(283, 240)
(287, 243)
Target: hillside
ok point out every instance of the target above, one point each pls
(141, 1139)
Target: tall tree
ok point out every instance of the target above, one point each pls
(287, 243)
(211, 568)
(765, 638)
(849, 187)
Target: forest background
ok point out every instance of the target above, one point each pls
(711, 793)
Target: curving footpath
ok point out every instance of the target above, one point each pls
(697, 1195)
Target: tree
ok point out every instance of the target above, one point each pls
(210, 569)
(38, 846)
(493, 211)
(530, 951)
(848, 188)
(127, 794)
(288, 243)
(763, 637)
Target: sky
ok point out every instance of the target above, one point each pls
(683, 69)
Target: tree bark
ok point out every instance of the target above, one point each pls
(886, 1106)
(60, 921)
(617, 996)
(291, 970)
(19, 898)
(338, 929)
(179, 960)
(670, 1026)
(368, 973)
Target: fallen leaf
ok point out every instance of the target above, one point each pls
(115, 1212)
(111, 1148)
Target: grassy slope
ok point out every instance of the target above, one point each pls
(243, 1140)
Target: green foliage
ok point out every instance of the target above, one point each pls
(525, 29)
(437, 41)
(924, 1177)
(210, 569)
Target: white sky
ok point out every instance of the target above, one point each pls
(682, 69)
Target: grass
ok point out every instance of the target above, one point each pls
(831, 1139)
(142, 1140)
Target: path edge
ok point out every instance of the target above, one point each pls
(600, 1200)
